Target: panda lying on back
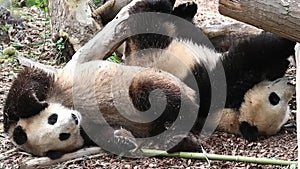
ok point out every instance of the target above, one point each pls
(44, 112)
(43, 102)
(253, 60)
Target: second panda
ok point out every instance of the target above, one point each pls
(257, 60)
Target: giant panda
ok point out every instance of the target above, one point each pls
(189, 55)
(43, 112)
(41, 94)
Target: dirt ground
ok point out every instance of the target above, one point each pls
(35, 41)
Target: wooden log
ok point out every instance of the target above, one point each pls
(281, 17)
(46, 162)
(72, 20)
(109, 10)
(77, 23)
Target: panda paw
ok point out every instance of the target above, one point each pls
(248, 131)
(184, 142)
(187, 10)
(125, 140)
(53, 154)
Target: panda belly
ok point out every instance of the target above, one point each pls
(118, 95)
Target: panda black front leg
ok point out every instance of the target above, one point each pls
(248, 131)
(54, 154)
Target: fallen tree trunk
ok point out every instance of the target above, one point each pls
(281, 17)
(77, 21)
(72, 20)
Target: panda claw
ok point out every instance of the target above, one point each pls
(125, 140)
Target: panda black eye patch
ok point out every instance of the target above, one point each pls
(64, 136)
(52, 119)
(274, 98)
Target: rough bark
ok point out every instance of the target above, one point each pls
(281, 17)
(76, 21)
(72, 20)
(226, 34)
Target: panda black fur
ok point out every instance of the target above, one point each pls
(50, 124)
(258, 58)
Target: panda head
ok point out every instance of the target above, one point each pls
(265, 108)
(52, 132)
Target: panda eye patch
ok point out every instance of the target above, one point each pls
(274, 98)
(64, 136)
(52, 119)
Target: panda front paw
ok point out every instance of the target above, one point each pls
(125, 140)
(248, 131)
(187, 10)
(53, 154)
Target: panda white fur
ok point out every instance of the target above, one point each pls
(34, 91)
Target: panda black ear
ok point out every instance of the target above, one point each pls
(29, 105)
(248, 131)
(19, 135)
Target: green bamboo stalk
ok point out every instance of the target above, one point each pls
(149, 152)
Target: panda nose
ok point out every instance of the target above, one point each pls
(75, 118)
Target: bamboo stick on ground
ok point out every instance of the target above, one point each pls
(149, 152)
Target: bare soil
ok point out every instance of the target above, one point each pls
(36, 44)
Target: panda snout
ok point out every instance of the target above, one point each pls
(75, 118)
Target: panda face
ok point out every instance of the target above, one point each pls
(266, 106)
(56, 128)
